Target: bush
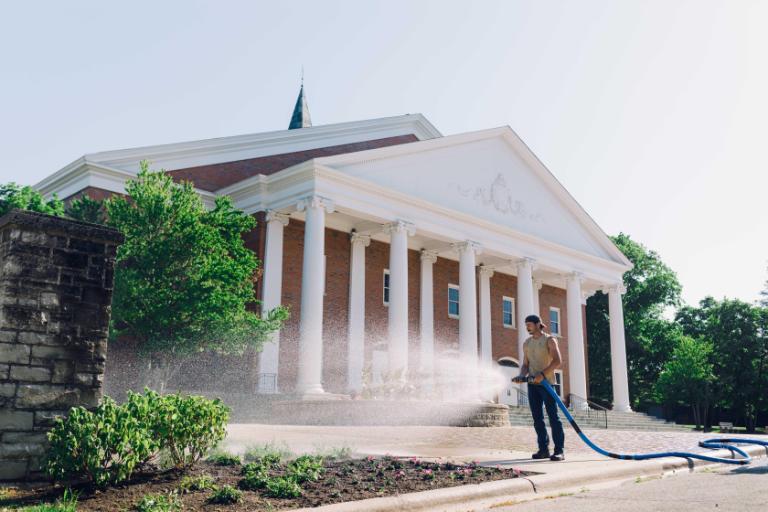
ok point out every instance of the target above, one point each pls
(199, 483)
(305, 468)
(225, 495)
(159, 503)
(186, 426)
(104, 445)
(256, 476)
(283, 487)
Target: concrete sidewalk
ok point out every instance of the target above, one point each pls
(506, 447)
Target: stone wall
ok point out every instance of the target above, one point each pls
(56, 280)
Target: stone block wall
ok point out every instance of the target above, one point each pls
(56, 279)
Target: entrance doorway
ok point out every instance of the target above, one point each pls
(510, 368)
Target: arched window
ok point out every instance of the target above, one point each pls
(508, 361)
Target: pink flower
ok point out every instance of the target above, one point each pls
(427, 471)
(370, 458)
(516, 471)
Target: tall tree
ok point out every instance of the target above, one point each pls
(687, 377)
(764, 295)
(739, 332)
(184, 280)
(651, 288)
(87, 210)
(26, 198)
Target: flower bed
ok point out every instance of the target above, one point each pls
(269, 484)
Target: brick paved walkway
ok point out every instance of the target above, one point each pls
(480, 443)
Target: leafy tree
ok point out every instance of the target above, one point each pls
(739, 332)
(764, 295)
(687, 377)
(86, 210)
(184, 278)
(651, 288)
(26, 198)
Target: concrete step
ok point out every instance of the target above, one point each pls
(521, 416)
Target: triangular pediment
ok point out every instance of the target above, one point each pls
(490, 175)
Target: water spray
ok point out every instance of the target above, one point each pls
(714, 443)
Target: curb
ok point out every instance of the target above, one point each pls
(469, 496)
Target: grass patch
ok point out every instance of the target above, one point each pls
(223, 458)
(196, 483)
(334, 452)
(169, 502)
(270, 450)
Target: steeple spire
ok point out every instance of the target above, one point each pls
(300, 117)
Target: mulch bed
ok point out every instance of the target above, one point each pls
(341, 480)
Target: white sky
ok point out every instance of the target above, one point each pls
(652, 113)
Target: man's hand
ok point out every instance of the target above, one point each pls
(519, 379)
(539, 378)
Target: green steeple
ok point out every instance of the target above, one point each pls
(300, 117)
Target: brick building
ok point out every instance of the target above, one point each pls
(395, 246)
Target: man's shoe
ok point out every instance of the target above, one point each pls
(557, 457)
(541, 454)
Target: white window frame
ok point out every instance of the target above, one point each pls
(384, 287)
(458, 303)
(512, 300)
(559, 321)
(562, 383)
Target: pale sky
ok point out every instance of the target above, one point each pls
(652, 113)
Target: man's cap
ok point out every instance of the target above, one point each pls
(533, 318)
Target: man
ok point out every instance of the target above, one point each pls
(542, 358)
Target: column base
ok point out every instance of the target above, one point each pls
(313, 396)
(622, 408)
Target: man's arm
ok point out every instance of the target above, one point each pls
(554, 353)
(523, 371)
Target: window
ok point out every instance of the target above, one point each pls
(554, 321)
(386, 287)
(453, 301)
(559, 383)
(508, 311)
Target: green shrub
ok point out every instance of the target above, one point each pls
(223, 458)
(196, 483)
(225, 495)
(104, 445)
(269, 450)
(255, 476)
(305, 468)
(186, 426)
(283, 487)
(159, 503)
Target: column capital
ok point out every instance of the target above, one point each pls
(427, 255)
(467, 245)
(524, 262)
(275, 216)
(574, 276)
(358, 239)
(615, 288)
(538, 284)
(400, 225)
(486, 271)
(315, 201)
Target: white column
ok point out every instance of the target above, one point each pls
(310, 358)
(618, 350)
(576, 366)
(524, 301)
(398, 297)
(356, 329)
(537, 284)
(271, 297)
(427, 319)
(486, 346)
(467, 300)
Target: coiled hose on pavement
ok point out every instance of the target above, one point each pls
(714, 443)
